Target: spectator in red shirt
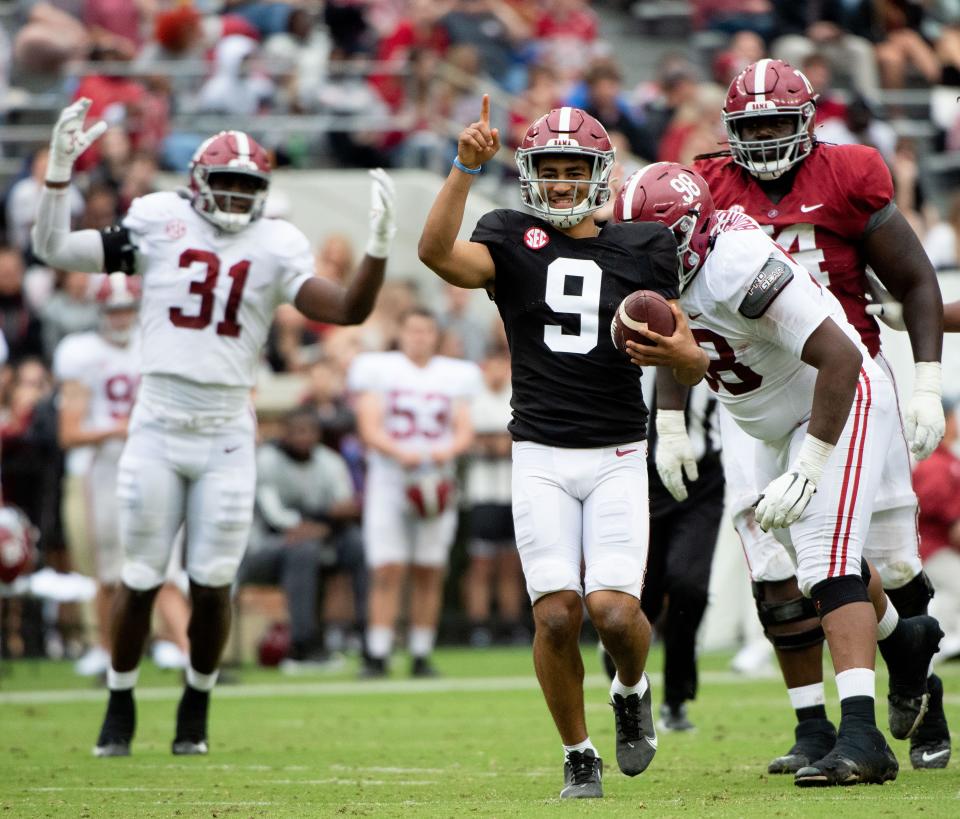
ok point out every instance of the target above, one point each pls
(937, 484)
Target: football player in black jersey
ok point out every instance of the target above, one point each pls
(579, 423)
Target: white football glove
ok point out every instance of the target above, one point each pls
(674, 455)
(784, 499)
(383, 218)
(924, 422)
(69, 140)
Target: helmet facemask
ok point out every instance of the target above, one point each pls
(216, 203)
(771, 158)
(588, 194)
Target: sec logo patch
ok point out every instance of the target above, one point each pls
(536, 238)
(175, 228)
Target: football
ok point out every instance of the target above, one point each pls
(644, 310)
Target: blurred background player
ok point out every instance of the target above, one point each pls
(494, 575)
(413, 416)
(213, 273)
(306, 527)
(832, 208)
(98, 373)
(684, 521)
(579, 499)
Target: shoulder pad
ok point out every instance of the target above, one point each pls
(769, 282)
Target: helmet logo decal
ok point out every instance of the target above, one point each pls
(536, 238)
(686, 187)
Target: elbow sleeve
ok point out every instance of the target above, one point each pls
(56, 244)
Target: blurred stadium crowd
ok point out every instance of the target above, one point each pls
(348, 83)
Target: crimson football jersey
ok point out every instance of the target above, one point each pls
(821, 222)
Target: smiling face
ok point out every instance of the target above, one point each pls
(565, 180)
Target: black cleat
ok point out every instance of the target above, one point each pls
(636, 734)
(582, 776)
(118, 727)
(930, 743)
(191, 736)
(373, 668)
(860, 757)
(815, 739)
(907, 700)
(673, 718)
(422, 667)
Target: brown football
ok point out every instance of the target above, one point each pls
(645, 310)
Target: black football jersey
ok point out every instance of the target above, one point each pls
(557, 296)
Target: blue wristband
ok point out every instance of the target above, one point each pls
(460, 166)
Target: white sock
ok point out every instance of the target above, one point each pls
(201, 682)
(580, 746)
(421, 640)
(379, 641)
(122, 680)
(806, 696)
(888, 622)
(617, 687)
(856, 682)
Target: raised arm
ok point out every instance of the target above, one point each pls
(465, 264)
(323, 300)
(52, 239)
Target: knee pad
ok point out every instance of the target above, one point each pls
(621, 573)
(912, 598)
(835, 592)
(138, 575)
(545, 576)
(784, 613)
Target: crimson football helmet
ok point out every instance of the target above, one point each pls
(18, 539)
(678, 197)
(229, 153)
(567, 131)
(116, 294)
(770, 88)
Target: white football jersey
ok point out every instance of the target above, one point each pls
(110, 374)
(209, 296)
(755, 367)
(418, 402)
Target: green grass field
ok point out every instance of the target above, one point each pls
(478, 742)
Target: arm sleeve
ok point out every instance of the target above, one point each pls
(56, 244)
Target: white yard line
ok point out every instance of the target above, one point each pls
(353, 688)
(357, 688)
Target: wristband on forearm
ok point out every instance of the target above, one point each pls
(812, 458)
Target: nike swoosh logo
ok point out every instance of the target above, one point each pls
(927, 756)
(622, 452)
(694, 316)
(808, 208)
(230, 449)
